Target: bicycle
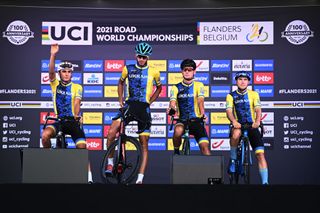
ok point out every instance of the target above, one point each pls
(186, 150)
(126, 152)
(60, 137)
(244, 158)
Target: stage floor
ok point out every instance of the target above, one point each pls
(158, 197)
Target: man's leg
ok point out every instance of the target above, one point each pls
(112, 134)
(144, 143)
(177, 137)
(47, 134)
(263, 167)
(234, 140)
(204, 147)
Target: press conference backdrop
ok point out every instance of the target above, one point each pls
(279, 46)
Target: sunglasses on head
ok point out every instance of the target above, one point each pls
(65, 65)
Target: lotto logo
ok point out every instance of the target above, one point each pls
(263, 78)
(114, 65)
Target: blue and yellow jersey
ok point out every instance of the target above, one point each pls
(140, 82)
(244, 105)
(63, 97)
(186, 97)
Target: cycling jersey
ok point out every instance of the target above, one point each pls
(140, 82)
(63, 97)
(243, 105)
(186, 97)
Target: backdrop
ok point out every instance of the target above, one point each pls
(277, 45)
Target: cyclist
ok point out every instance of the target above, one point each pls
(140, 78)
(66, 97)
(188, 97)
(243, 106)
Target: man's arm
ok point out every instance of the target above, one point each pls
(200, 100)
(120, 92)
(201, 106)
(156, 94)
(173, 99)
(173, 104)
(229, 112)
(257, 110)
(232, 119)
(77, 104)
(257, 121)
(54, 50)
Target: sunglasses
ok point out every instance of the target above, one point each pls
(66, 71)
(142, 56)
(188, 69)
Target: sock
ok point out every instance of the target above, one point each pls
(90, 176)
(140, 178)
(264, 175)
(110, 161)
(233, 152)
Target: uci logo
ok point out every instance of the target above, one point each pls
(15, 104)
(298, 104)
(67, 33)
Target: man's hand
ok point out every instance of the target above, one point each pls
(236, 125)
(78, 118)
(255, 125)
(171, 111)
(205, 118)
(54, 49)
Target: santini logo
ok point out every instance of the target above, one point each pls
(67, 33)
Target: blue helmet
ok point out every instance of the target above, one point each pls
(143, 49)
(243, 74)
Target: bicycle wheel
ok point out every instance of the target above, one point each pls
(239, 163)
(186, 146)
(60, 141)
(126, 168)
(238, 171)
(246, 163)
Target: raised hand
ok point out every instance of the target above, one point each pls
(54, 49)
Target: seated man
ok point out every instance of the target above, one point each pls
(188, 97)
(66, 97)
(242, 107)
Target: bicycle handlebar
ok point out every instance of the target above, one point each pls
(61, 119)
(188, 120)
(248, 126)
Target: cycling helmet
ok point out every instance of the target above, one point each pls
(243, 74)
(65, 65)
(143, 49)
(188, 63)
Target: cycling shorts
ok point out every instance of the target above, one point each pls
(197, 129)
(141, 113)
(71, 127)
(255, 139)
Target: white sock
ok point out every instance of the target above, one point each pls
(90, 177)
(110, 161)
(140, 178)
